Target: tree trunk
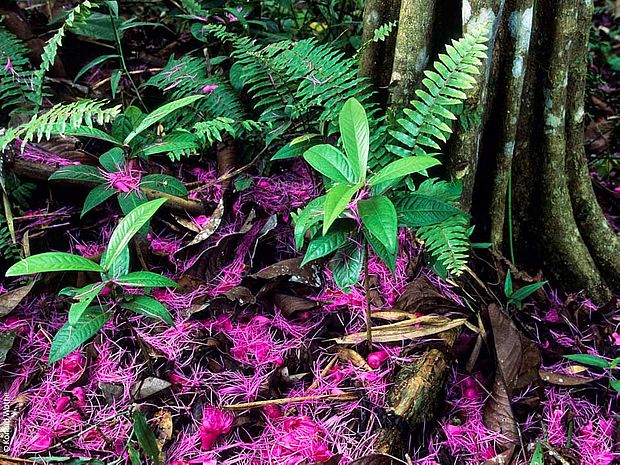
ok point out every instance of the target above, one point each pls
(518, 145)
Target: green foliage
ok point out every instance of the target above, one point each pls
(517, 297)
(427, 123)
(447, 243)
(61, 119)
(86, 320)
(15, 73)
(145, 436)
(595, 361)
(76, 16)
(9, 251)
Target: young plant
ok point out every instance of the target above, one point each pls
(516, 298)
(87, 315)
(358, 208)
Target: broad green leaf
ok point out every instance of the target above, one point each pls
(386, 256)
(403, 167)
(68, 338)
(336, 200)
(589, 360)
(330, 162)
(94, 133)
(615, 384)
(85, 296)
(145, 279)
(306, 218)
(127, 228)
(164, 183)
(379, 217)
(52, 261)
(346, 266)
(113, 160)
(147, 306)
(145, 436)
(119, 267)
(96, 197)
(355, 136)
(78, 173)
(159, 114)
(130, 201)
(538, 456)
(415, 210)
(296, 147)
(326, 244)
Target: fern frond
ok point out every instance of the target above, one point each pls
(447, 242)
(193, 7)
(291, 81)
(76, 16)
(427, 124)
(189, 76)
(15, 75)
(60, 118)
(9, 250)
(383, 31)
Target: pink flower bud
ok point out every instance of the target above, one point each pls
(375, 359)
(209, 88)
(78, 392)
(272, 411)
(61, 404)
(214, 423)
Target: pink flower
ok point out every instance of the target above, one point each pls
(616, 338)
(71, 367)
(272, 411)
(9, 66)
(209, 88)
(214, 424)
(375, 359)
(61, 404)
(125, 180)
(43, 440)
(304, 439)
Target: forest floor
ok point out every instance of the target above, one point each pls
(259, 366)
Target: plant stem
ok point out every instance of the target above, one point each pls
(123, 63)
(367, 297)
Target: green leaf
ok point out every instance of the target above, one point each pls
(130, 201)
(115, 79)
(127, 228)
(164, 183)
(336, 200)
(120, 266)
(524, 292)
(68, 338)
(296, 147)
(306, 218)
(508, 285)
(97, 61)
(159, 114)
(379, 217)
(346, 266)
(134, 456)
(330, 162)
(615, 384)
(85, 296)
(96, 197)
(355, 136)
(145, 279)
(538, 456)
(113, 160)
(78, 173)
(589, 360)
(415, 210)
(52, 261)
(147, 306)
(326, 244)
(145, 436)
(85, 131)
(403, 167)
(386, 256)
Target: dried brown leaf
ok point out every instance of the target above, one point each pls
(420, 296)
(427, 325)
(350, 355)
(308, 274)
(560, 379)
(207, 231)
(11, 299)
(290, 304)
